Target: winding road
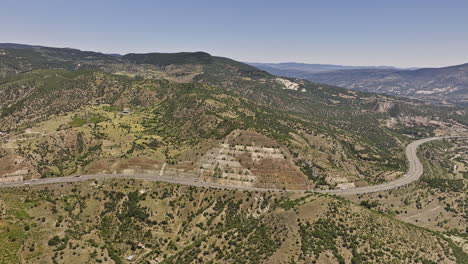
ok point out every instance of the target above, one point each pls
(414, 173)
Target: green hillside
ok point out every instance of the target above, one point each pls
(108, 221)
(184, 104)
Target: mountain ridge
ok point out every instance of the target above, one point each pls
(327, 135)
(445, 85)
(65, 112)
(316, 67)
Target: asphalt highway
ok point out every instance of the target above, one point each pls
(414, 173)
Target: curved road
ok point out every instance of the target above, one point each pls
(414, 173)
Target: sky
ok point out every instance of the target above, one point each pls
(409, 33)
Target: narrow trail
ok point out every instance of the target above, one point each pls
(424, 212)
(161, 173)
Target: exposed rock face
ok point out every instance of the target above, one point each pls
(442, 85)
(383, 107)
(447, 85)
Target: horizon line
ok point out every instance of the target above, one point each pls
(243, 61)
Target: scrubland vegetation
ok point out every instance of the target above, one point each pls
(106, 221)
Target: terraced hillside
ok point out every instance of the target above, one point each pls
(181, 112)
(251, 159)
(109, 221)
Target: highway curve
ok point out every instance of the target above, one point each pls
(414, 173)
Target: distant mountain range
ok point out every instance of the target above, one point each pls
(311, 68)
(188, 100)
(448, 85)
(213, 120)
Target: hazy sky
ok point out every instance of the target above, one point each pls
(405, 33)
